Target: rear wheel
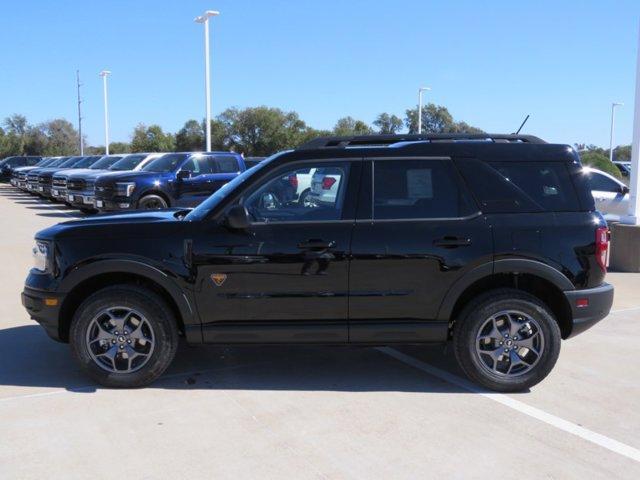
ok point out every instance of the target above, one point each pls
(124, 336)
(506, 340)
(152, 202)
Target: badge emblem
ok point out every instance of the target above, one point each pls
(218, 278)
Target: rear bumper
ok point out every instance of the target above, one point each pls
(599, 304)
(47, 316)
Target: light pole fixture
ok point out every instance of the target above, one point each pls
(204, 19)
(420, 90)
(104, 74)
(613, 114)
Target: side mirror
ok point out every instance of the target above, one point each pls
(625, 190)
(238, 217)
(183, 174)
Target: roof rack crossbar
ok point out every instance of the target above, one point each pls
(387, 140)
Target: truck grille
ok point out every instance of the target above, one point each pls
(60, 182)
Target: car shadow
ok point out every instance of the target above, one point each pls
(28, 358)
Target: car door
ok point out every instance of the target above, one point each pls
(285, 278)
(224, 168)
(190, 182)
(611, 197)
(417, 232)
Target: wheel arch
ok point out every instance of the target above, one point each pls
(536, 278)
(90, 278)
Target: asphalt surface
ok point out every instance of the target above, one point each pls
(308, 412)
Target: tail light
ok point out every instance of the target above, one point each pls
(293, 180)
(602, 247)
(327, 183)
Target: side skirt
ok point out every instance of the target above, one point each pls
(361, 332)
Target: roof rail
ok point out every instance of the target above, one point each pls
(388, 140)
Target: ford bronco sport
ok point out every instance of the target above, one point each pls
(491, 242)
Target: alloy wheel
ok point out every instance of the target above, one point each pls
(509, 343)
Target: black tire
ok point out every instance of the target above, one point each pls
(88, 211)
(152, 202)
(304, 197)
(156, 312)
(473, 317)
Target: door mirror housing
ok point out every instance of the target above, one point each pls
(183, 174)
(625, 190)
(238, 217)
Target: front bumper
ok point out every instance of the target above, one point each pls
(598, 305)
(38, 304)
(59, 193)
(82, 199)
(114, 203)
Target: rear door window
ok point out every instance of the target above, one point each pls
(227, 164)
(505, 187)
(408, 189)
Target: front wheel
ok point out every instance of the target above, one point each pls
(506, 340)
(152, 202)
(124, 336)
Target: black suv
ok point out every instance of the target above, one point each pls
(489, 241)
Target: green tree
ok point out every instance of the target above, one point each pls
(388, 124)
(436, 119)
(347, 126)
(61, 137)
(599, 160)
(10, 144)
(118, 147)
(151, 139)
(258, 131)
(190, 138)
(622, 153)
(16, 129)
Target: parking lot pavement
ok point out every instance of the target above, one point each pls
(309, 412)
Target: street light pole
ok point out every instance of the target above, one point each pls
(204, 19)
(613, 114)
(420, 90)
(104, 74)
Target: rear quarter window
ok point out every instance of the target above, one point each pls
(511, 187)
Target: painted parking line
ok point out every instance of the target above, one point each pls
(557, 422)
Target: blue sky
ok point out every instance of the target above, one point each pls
(490, 63)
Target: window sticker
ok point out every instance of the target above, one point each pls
(419, 184)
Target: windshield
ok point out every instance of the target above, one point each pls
(70, 162)
(85, 162)
(165, 163)
(57, 161)
(105, 162)
(128, 163)
(201, 211)
(44, 162)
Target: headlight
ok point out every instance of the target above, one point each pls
(125, 189)
(41, 257)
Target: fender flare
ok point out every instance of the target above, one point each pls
(182, 299)
(518, 265)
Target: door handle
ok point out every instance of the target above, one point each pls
(452, 242)
(316, 244)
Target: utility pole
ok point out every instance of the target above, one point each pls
(79, 113)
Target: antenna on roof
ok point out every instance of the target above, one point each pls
(521, 125)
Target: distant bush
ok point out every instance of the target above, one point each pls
(601, 162)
